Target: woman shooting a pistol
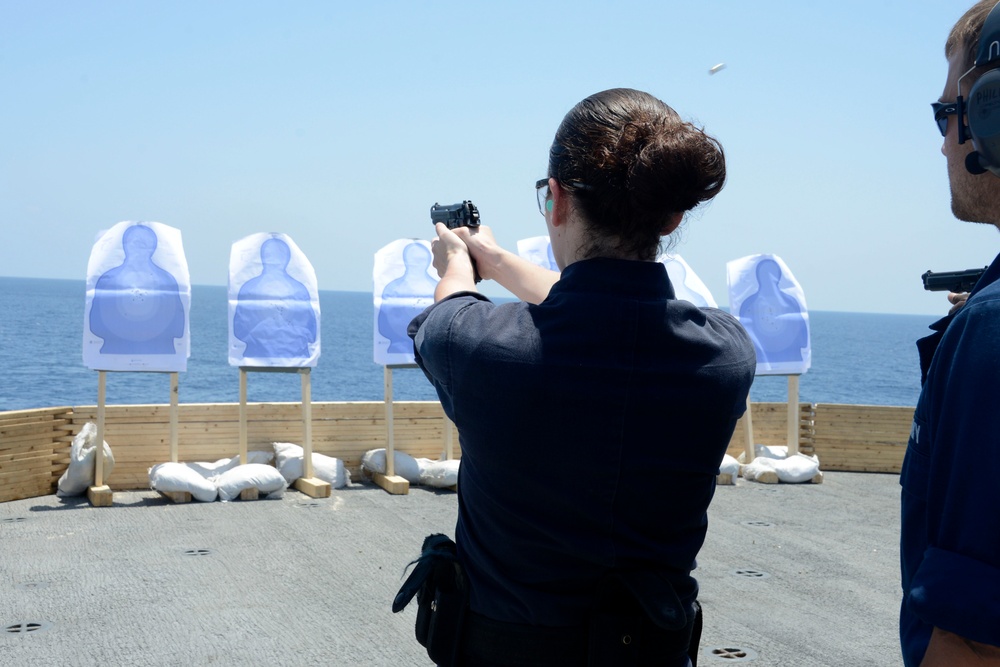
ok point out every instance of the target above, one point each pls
(630, 394)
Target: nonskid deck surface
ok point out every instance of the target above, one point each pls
(790, 575)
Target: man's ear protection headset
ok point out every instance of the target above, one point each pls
(983, 103)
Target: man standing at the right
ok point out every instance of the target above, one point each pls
(950, 544)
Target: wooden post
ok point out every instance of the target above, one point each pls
(100, 494)
(748, 430)
(243, 416)
(793, 414)
(307, 445)
(448, 438)
(390, 481)
(173, 417)
(245, 494)
(308, 484)
(390, 442)
(102, 378)
(174, 496)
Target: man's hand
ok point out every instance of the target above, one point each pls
(957, 299)
(950, 650)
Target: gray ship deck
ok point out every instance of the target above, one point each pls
(793, 575)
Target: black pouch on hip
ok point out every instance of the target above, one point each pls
(438, 581)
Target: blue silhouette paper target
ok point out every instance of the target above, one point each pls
(771, 305)
(138, 300)
(273, 304)
(686, 283)
(538, 250)
(404, 282)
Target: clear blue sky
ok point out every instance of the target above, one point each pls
(340, 123)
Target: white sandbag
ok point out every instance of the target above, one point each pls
(766, 451)
(761, 469)
(289, 460)
(79, 476)
(213, 469)
(729, 466)
(771, 451)
(405, 466)
(729, 470)
(795, 469)
(264, 478)
(181, 478)
(440, 474)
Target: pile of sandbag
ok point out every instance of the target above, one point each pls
(439, 474)
(225, 478)
(773, 464)
(79, 476)
(289, 460)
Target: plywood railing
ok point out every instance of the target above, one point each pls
(35, 444)
(861, 438)
(34, 451)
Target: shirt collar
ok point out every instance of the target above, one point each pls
(604, 275)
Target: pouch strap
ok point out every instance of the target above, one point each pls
(436, 547)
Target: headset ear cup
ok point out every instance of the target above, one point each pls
(983, 110)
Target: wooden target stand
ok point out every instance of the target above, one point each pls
(390, 481)
(793, 433)
(100, 494)
(307, 484)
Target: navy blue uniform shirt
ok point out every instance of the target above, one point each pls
(950, 538)
(592, 427)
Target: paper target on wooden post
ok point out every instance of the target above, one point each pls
(770, 304)
(138, 300)
(274, 315)
(686, 283)
(538, 250)
(404, 282)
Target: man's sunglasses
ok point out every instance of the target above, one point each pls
(941, 112)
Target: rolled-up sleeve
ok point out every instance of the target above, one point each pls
(958, 594)
(442, 338)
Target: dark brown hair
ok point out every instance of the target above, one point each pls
(631, 164)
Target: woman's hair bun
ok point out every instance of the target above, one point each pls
(640, 165)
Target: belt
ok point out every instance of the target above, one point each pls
(490, 643)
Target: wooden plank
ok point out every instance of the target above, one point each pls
(32, 489)
(394, 484)
(32, 428)
(100, 496)
(12, 454)
(313, 487)
(35, 414)
(176, 496)
(29, 464)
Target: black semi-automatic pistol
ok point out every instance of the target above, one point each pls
(952, 281)
(456, 215)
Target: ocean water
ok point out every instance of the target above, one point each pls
(856, 358)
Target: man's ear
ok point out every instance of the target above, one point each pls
(672, 224)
